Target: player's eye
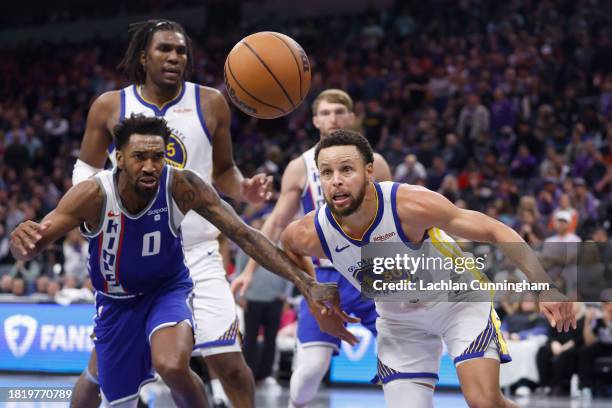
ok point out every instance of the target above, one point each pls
(181, 50)
(324, 113)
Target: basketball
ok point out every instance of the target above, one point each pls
(267, 75)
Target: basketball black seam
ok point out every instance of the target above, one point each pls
(295, 59)
(247, 92)
(271, 73)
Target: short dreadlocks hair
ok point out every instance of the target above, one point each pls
(142, 33)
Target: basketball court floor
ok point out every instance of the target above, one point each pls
(277, 397)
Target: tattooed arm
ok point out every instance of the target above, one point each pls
(190, 192)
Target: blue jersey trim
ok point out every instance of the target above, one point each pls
(398, 223)
(307, 201)
(368, 233)
(215, 343)
(201, 113)
(321, 235)
(399, 376)
(122, 104)
(160, 112)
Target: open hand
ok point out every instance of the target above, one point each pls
(557, 308)
(25, 237)
(257, 189)
(325, 307)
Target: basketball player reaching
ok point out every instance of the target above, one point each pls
(131, 216)
(301, 190)
(157, 61)
(357, 211)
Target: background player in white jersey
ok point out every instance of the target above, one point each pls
(132, 216)
(157, 61)
(410, 335)
(301, 191)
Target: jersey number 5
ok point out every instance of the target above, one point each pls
(151, 243)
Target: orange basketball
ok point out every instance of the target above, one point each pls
(267, 75)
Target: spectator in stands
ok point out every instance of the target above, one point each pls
(75, 249)
(436, 174)
(529, 229)
(525, 331)
(410, 170)
(597, 334)
(503, 111)
(560, 252)
(454, 154)
(565, 205)
(263, 304)
(42, 284)
(6, 284)
(604, 244)
(558, 359)
(584, 201)
(5, 254)
(27, 272)
(450, 188)
(18, 288)
(474, 120)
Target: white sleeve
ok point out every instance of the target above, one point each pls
(82, 171)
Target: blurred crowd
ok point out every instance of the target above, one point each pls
(502, 107)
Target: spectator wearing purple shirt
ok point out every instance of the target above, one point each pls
(503, 112)
(524, 164)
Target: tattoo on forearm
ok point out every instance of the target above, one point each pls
(191, 193)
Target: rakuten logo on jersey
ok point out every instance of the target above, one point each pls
(383, 237)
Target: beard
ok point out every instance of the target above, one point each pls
(356, 202)
(146, 193)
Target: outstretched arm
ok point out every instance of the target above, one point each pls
(422, 209)
(191, 193)
(80, 204)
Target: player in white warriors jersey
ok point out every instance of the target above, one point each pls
(157, 61)
(301, 193)
(410, 335)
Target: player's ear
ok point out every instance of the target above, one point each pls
(370, 171)
(143, 59)
(119, 158)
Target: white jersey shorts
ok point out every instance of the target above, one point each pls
(214, 310)
(410, 347)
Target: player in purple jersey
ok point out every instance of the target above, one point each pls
(143, 321)
(158, 63)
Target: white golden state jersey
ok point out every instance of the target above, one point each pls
(190, 144)
(312, 194)
(345, 252)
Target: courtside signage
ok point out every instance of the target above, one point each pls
(45, 337)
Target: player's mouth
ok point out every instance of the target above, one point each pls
(148, 182)
(340, 199)
(171, 73)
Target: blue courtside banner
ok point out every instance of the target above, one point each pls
(358, 364)
(45, 337)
